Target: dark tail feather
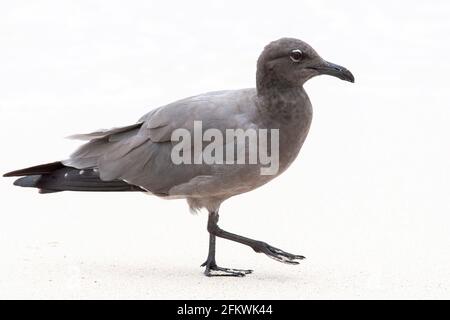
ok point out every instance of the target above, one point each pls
(28, 181)
(36, 170)
(67, 179)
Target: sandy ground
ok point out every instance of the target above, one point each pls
(367, 202)
(128, 246)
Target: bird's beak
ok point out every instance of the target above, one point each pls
(334, 70)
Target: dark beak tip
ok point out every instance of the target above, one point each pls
(351, 78)
(347, 76)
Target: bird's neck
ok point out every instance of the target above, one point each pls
(285, 105)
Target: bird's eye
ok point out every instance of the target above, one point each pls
(296, 55)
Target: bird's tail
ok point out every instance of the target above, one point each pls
(55, 177)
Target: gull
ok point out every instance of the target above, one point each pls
(140, 157)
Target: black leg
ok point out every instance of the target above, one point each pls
(211, 260)
(211, 267)
(257, 246)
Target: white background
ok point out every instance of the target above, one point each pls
(367, 201)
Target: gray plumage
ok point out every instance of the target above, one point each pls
(138, 155)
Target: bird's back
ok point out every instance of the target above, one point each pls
(142, 155)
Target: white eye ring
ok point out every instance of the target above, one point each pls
(296, 55)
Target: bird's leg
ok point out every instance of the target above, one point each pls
(257, 246)
(211, 267)
(211, 260)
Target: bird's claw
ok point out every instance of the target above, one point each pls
(278, 254)
(216, 271)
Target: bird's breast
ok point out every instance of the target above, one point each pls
(291, 113)
(292, 135)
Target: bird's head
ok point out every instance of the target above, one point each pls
(289, 62)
